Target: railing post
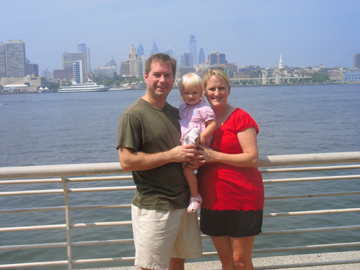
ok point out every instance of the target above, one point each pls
(67, 219)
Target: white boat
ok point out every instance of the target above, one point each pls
(88, 86)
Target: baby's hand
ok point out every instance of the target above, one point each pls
(202, 140)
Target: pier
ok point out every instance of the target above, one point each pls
(334, 167)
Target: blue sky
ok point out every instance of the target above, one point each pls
(252, 32)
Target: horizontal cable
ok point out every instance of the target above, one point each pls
(306, 264)
(312, 195)
(32, 192)
(30, 181)
(33, 228)
(103, 260)
(103, 242)
(308, 247)
(26, 210)
(318, 168)
(309, 230)
(33, 246)
(98, 189)
(88, 207)
(105, 178)
(305, 179)
(34, 264)
(64, 244)
(100, 224)
(314, 212)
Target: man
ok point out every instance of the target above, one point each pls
(149, 144)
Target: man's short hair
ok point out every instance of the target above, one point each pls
(161, 58)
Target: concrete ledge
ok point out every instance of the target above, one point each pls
(344, 260)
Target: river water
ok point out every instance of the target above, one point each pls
(70, 128)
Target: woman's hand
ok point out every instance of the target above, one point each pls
(206, 154)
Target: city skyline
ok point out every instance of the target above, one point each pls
(305, 33)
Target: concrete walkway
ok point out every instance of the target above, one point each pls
(275, 262)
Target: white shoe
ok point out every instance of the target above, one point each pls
(195, 203)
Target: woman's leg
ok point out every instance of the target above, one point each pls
(242, 251)
(225, 251)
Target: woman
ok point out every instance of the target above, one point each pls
(229, 181)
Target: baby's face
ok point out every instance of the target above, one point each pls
(192, 95)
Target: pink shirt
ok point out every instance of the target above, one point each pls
(195, 116)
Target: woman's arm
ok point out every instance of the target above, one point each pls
(249, 157)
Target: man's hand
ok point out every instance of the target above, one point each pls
(139, 161)
(183, 153)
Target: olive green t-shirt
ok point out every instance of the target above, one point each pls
(147, 129)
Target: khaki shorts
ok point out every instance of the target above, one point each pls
(160, 235)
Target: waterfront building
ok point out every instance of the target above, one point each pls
(63, 74)
(201, 56)
(186, 60)
(78, 75)
(15, 59)
(192, 48)
(281, 63)
(141, 65)
(154, 49)
(32, 69)
(68, 59)
(124, 68)
(108, 70)
(46, 74)
(357, 60)
(140, 50)
(352, 75)
(133, 61)
(113, 62)
(82, 48)
(2, 60)
(131, 66)
(217, 58)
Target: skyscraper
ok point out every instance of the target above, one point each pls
(78, 76)
(82, 48)
(217, 58)
(201, 56)
(192, 47)
(69, 59)
(15, 59)
(357, 60)
(131, 66)
(186, 60)
(140, 50)
(133, 61)
(154, 49)
(2, 60)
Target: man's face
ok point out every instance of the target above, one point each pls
(160, 80)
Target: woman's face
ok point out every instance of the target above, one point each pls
(217, 91)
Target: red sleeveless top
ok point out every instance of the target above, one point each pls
(225, 187)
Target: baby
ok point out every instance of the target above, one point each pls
(197, 123)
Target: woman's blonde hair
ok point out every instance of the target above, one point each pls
(190, 80)
(217, 71)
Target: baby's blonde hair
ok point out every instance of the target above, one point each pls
(190, 80)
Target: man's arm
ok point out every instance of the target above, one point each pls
(139, 161)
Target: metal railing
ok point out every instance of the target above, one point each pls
(270, 166)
